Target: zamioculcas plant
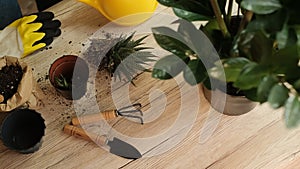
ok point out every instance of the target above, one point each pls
(258, 46)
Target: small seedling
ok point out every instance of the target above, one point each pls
(62, 82)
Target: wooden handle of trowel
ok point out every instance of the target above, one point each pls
(92, 118)
(80, 133)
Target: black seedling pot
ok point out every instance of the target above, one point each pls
(22, 130)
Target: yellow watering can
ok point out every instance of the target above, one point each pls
(124, 12)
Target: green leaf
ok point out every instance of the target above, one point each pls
(261, 6)
(251, 94)
(278, 96)
(285, 61)
(195, 72)
(190, 16)
(292, 112)
(250, 76)
(296, 84)
(198, 42)
(211, 26)
(265, 87)
(256, 46)
(202, 7)
(171, 41)
(168, 67)
(282, 37)
(297, 30)
(231, 68)
(271, 23)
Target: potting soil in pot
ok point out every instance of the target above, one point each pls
(10, 77)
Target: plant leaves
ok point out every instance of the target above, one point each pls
(168, 67)
(256, 46)
(261, 7)
(297, 30)
(202, 7)
(198, 42)
(251, 94)
(250, 76)
(189, 16)
(278, 96)
(171, 41)
(265, 87)
(231, 67)
(282, 37)
(292, 112)
(271, 23)
(285, 61)
(194, 72)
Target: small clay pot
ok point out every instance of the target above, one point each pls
(75, 70)
(22, 130)
(232, 105)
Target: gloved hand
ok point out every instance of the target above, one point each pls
(28, 34)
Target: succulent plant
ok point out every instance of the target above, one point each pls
(62, 82)
(127, 57)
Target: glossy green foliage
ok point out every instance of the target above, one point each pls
(193, 9)
(169, 67)
(292, 113)
(260, 57)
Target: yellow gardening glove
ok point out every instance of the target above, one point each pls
(28, 34)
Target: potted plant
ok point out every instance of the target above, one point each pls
(17, 85)
(258, 49)
(69, 75)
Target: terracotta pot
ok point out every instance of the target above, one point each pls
(75, 70)
(232, 105)
(22, 130)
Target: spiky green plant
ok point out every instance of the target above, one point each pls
(62, 82)
(127, 57)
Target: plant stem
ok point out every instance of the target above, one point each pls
(229, 12)
(220, 20)
(247, 18)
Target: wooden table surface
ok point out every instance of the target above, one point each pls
(168, 139)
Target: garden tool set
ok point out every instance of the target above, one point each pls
(117, 146)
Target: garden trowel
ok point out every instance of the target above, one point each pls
(117, 146)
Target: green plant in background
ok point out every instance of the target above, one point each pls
(127, 57)
(258, 47)
(62, 82)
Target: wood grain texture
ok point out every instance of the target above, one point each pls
(257, 139)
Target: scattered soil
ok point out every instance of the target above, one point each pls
(10, 77)
(96, 52)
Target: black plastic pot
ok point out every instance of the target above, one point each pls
(22, 130)
(75, 70)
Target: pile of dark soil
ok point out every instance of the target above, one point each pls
(10, 77)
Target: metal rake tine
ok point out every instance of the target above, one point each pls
(121, 113)
(131, 116)
(136, 105)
